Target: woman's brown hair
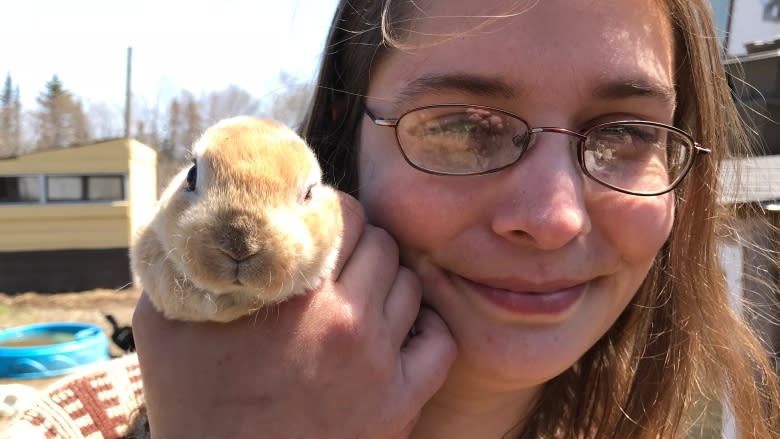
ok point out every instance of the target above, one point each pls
(679, 342)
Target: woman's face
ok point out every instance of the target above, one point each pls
(531, 265)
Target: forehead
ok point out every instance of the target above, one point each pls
(537, 45)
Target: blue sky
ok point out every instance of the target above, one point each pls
(195, 45)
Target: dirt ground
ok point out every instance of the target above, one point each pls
(86, 307)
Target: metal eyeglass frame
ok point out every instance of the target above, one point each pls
(695, 146)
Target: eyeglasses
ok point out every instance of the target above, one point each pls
(634, 157)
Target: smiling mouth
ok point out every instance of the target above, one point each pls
(551, 300)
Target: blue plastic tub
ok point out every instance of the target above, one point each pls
(50, 349)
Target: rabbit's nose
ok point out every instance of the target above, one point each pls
(236, 240)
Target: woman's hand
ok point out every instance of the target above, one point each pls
(334, 363)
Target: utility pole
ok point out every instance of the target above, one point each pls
(128, 92)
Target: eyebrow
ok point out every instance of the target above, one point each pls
(488, 86)
(629, 88)
(476, 85)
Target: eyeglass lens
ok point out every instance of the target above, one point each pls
(461, 140)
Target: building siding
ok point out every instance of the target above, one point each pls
(65, 270)
(59, 227)
(104, 157)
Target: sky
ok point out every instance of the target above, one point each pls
(194, 45)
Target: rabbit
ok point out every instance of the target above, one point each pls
(249, 224)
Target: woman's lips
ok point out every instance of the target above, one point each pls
(550, 300)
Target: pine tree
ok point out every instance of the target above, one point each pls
(61, 119)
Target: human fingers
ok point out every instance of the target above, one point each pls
(353, 218)
(370, 272)
(402, 305)
(427, 356)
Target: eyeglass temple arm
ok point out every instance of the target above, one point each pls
(381, 121)
(700, 149)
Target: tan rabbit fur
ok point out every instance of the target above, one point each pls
(251, 226)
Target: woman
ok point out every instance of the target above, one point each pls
(547, 173)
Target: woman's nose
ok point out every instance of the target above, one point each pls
(542, 202)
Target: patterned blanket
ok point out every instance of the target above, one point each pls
(98, 402)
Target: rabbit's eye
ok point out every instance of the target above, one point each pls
(192, 178)
(308, 195)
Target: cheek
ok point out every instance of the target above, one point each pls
(401, 204)
(381, 184)
(418, 209)
(636, 226)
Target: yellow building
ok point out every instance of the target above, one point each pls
(67, 215)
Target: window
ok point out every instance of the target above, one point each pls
(64, 188)
(105, 187)
(24, 189)
(61, 188)
(85, 188)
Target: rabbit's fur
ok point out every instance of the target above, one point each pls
(256, 228)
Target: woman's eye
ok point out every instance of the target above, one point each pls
(192, 178)
(465, 125)
(450, 127)
(615, 133)
(637, 135)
